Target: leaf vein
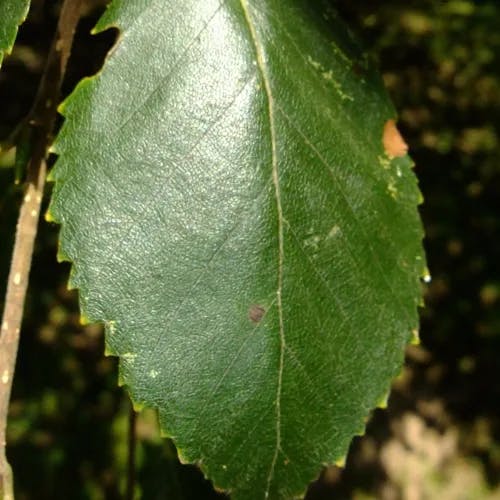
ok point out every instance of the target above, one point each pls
(240, 217)
(229, 367)
(323, 161)
(175, 66)
(262, 65)
(162, 183)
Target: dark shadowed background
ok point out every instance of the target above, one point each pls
(440, 436)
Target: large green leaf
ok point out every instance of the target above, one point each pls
(234, 220)
(12, 14)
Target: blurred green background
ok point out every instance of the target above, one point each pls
(440, 436)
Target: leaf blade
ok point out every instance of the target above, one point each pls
(13, 13)
(193, 227)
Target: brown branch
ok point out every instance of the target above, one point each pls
(41, 121)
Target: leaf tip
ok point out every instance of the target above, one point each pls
(164, 434)
(426, 276)
(108, 352)
(60, 110)
(183, 459)
(384, 401)
(71, 285)
(49, 217)
(415, 337)
(138, 407)
(50, 175)
(62, 257)
(84, 320)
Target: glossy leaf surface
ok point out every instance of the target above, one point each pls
(234, 220)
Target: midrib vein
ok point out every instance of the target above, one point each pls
(261, 63)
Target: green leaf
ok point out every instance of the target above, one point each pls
(235, 222)
(12, 14)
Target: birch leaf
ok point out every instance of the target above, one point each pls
(234, 220)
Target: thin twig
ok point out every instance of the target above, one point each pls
(41, 120)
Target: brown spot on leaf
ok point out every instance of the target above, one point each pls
(256, 313)
(394, 144)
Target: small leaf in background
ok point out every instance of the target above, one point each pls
(12, 14)
(235, 222)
